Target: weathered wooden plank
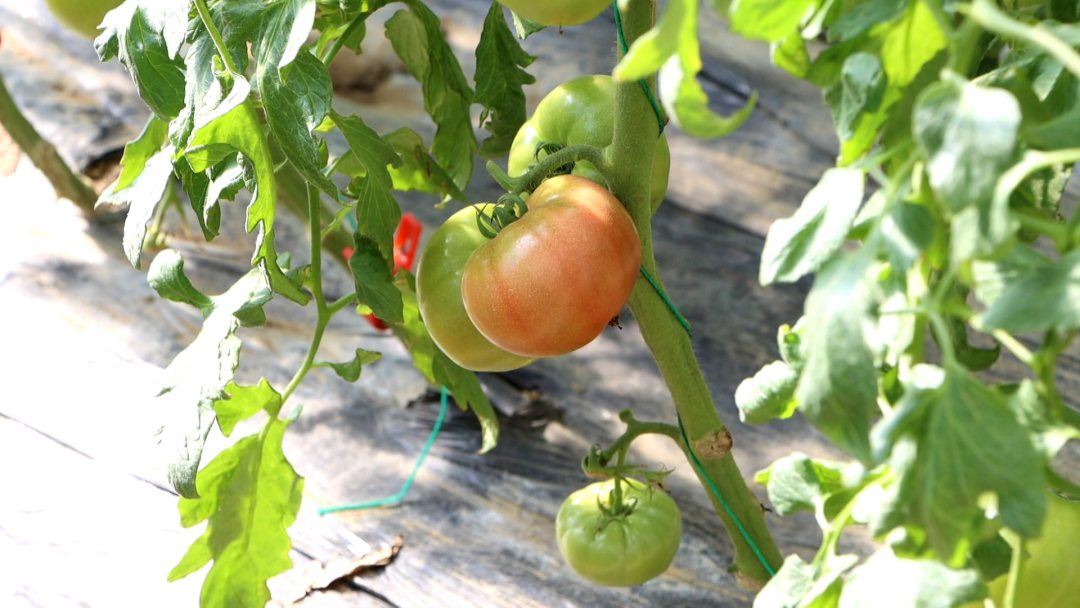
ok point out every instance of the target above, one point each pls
(478, 528)
(76, 532)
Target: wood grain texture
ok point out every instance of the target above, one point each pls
(93, 339)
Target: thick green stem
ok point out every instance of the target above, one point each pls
(44, 155)
(630, 158)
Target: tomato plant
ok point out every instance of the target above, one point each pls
(558, 13)
(945, 218)
(619, 539)
(580, 111)
(550, 282)
(82, 16)
(438, 290)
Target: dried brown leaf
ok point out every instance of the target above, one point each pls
(315, 576)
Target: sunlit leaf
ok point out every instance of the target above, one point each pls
(969, 443)
(250, 495)
(417, 38)
(197, 377)
(800, 244)
(887, 581)
(838, 384)
(146, 35)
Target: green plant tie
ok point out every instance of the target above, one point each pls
(663, 296)
(689, 450)
(641, 81)
(408, 482)
(723, 503)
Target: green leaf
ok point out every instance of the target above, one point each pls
(1048, 433)
(419, 171)
(374, 280)
(1042, 299)
(142, 197)
(991, 558)
(197, 377)
(280, 282)
(1055, 134)
(146, 35)
(282, 30)
(296, 100)
(350, 371)
(969, 443)
(801, 585)
(672, 48)
(166, 276)
(139, 151)
(239, 127)
(838, 385)
(524, 27)
(972, 358)
(968, 136)
(206, 188)
(769, 20)
(250, 496)
(910, 44)
(377, 213)
(906, 232)
(859, 92)
(499, 82)
(887, 581)
(991, 279)
(790, 55)
(864, 16)
(204, 93)
(800, 244)
(417, 39)
(439, 369)
(769, 395)
(243, 402)
(800, 483)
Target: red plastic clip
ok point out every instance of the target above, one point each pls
(406, 242)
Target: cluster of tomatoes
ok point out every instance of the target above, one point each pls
(548, 284)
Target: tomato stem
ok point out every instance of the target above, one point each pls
(324, 311)
(215, 35)
(548, 166)
(630, 159)
(634, 429)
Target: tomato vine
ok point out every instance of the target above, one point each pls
(943, 219)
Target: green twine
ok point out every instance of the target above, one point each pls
(682, 320)
(720, 497)
(408, 482)
(641, 81)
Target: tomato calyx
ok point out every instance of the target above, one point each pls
(507, 210)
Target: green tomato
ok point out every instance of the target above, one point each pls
(581, 111)
(82, 16)
(557, 13)
(624, 550)
(438, 293)
(1048, 577)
